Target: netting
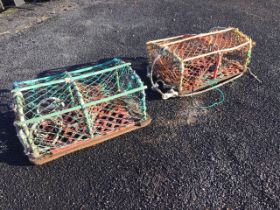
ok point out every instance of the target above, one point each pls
(71, 108)
(187, 65)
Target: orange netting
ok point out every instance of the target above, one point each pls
(187, 63)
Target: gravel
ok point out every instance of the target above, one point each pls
(188, 158)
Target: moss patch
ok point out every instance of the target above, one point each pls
(9, 11)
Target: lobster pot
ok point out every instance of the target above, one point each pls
(191, 64)
(59, 114)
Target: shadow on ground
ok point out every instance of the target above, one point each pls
(11, 151)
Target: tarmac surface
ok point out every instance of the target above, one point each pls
(227, 157)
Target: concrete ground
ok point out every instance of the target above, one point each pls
(188, 158)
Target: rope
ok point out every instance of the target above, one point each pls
(253, 75)
(222, 96)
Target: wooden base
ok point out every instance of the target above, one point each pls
(84, 144)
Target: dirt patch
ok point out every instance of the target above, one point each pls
(193, 113)
(190, 111)
(15, 20)
(9, 11)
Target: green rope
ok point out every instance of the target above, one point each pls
(249, 56)
(222, 96)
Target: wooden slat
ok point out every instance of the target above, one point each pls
(81, 145)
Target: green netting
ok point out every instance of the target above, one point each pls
(81, 105)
